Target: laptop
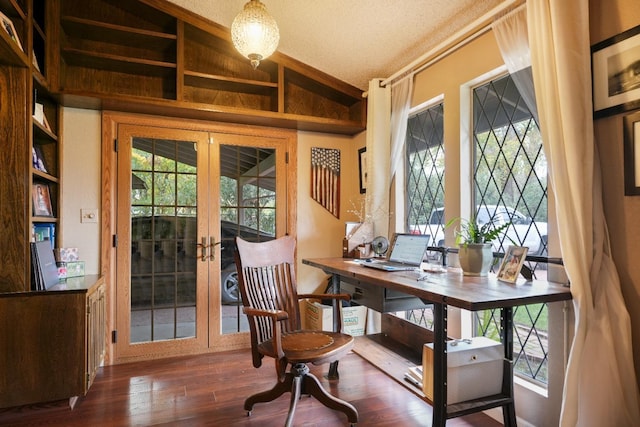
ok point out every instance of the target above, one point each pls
(407, 252)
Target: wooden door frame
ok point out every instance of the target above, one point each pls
(126, 350)
(110, 122)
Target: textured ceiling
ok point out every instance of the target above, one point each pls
(355, 40)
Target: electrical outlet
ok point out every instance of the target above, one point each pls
(88, 215)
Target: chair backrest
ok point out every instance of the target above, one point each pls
(267, 281)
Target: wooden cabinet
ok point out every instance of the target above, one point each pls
(95, 332)
(52, 341)
(43, 335)
(154, 57)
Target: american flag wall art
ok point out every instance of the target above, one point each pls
(325, 178)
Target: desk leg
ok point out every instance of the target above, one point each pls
(337, 308)
(439, 365)
(506, 323)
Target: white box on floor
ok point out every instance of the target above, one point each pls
(354, 320)
(474, 369)
(320, 317)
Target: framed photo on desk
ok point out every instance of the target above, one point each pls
(512, 263)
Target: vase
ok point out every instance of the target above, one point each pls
(475, 259)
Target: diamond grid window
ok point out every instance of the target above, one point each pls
(425, 186)
(425, 171)
(421, 317)
(510, 177)
(531, 350)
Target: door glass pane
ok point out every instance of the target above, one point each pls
(163, 240)
(248, 210)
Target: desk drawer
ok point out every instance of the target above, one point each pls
(380, 299)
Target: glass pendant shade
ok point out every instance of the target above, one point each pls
(255, 33)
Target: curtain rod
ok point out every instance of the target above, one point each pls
(466, 34)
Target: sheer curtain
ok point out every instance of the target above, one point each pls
(378, 158)
(400, 104)
(600, 383)
(513, 41)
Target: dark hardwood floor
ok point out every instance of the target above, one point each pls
(209, 390)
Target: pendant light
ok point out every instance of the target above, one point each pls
(254, 32)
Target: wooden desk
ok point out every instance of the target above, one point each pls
(470, 293)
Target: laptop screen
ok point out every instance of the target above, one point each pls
(409, 248)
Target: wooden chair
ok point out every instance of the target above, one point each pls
(266, 276)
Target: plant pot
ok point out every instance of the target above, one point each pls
(475, 259)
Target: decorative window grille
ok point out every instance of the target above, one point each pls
(510, 178)
(425, 186)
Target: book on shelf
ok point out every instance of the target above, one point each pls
(44, 231)
(411, 380)
(414, 376)
(44, 270)
(416, 372)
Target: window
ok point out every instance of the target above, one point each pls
(425, 173)
(509, 186)
(510, 180)
(425, 186)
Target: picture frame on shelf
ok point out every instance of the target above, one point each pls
(512, 263)
(40, 116)
(362, 163)
(41, 199)
(631, 124)
(615, 66)
(10, 29)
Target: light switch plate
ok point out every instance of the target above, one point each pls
(88, 215)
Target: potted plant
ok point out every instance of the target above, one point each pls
(475, 249)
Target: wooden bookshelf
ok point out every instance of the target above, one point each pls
(154, 57)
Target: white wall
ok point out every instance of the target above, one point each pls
(319, 232)
(81, 166)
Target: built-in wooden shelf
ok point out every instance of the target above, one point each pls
(155, 57)
(45, 176)
(389, 356)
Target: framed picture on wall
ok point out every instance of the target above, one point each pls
(615, 66)
(631, 124)
(362, 162)
(41, 199)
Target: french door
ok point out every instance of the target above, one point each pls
(182, 197)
